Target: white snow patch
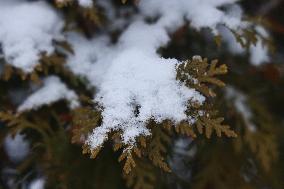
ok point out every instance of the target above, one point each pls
(37, 184)
(52, 90)
(26, 30)
(85, 3)
(17, 148)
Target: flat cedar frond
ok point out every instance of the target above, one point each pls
(7, 72)
(49, 64)
(93, 153)
(84, 121)
(91, 14)
(142, 176)
(249, 37)
(84, 19)
(185, 129)
(129, 162)
(158, 147)
(245, 37)
(264, 147)
(140, 101)
(20, 123)
(198, 73)
(218, 40)
(218, 171)
(208, 124)
(63, 3)
(10, 71)
(261, 142)
(48, 134)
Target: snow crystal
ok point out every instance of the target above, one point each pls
(17, 148)
(26, 30)
(134, 82)
(53, 90)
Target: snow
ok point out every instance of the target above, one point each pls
(129, 76)
(26, 30)
(17, 148)
(259, 53)
(37, 184)
(133, 82)
(52, 90)
(85, 3)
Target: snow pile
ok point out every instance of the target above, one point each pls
(17, 148)
(206, 13)
(26, 30)
(134, 83)
(200, 13)
(53, 90)
(37, 184)
(136, 88)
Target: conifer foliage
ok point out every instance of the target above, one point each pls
(120, 81)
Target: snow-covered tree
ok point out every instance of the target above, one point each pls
(130, 76)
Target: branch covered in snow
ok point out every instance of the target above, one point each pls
(131, 74)
(27, 30)
(133, 82)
